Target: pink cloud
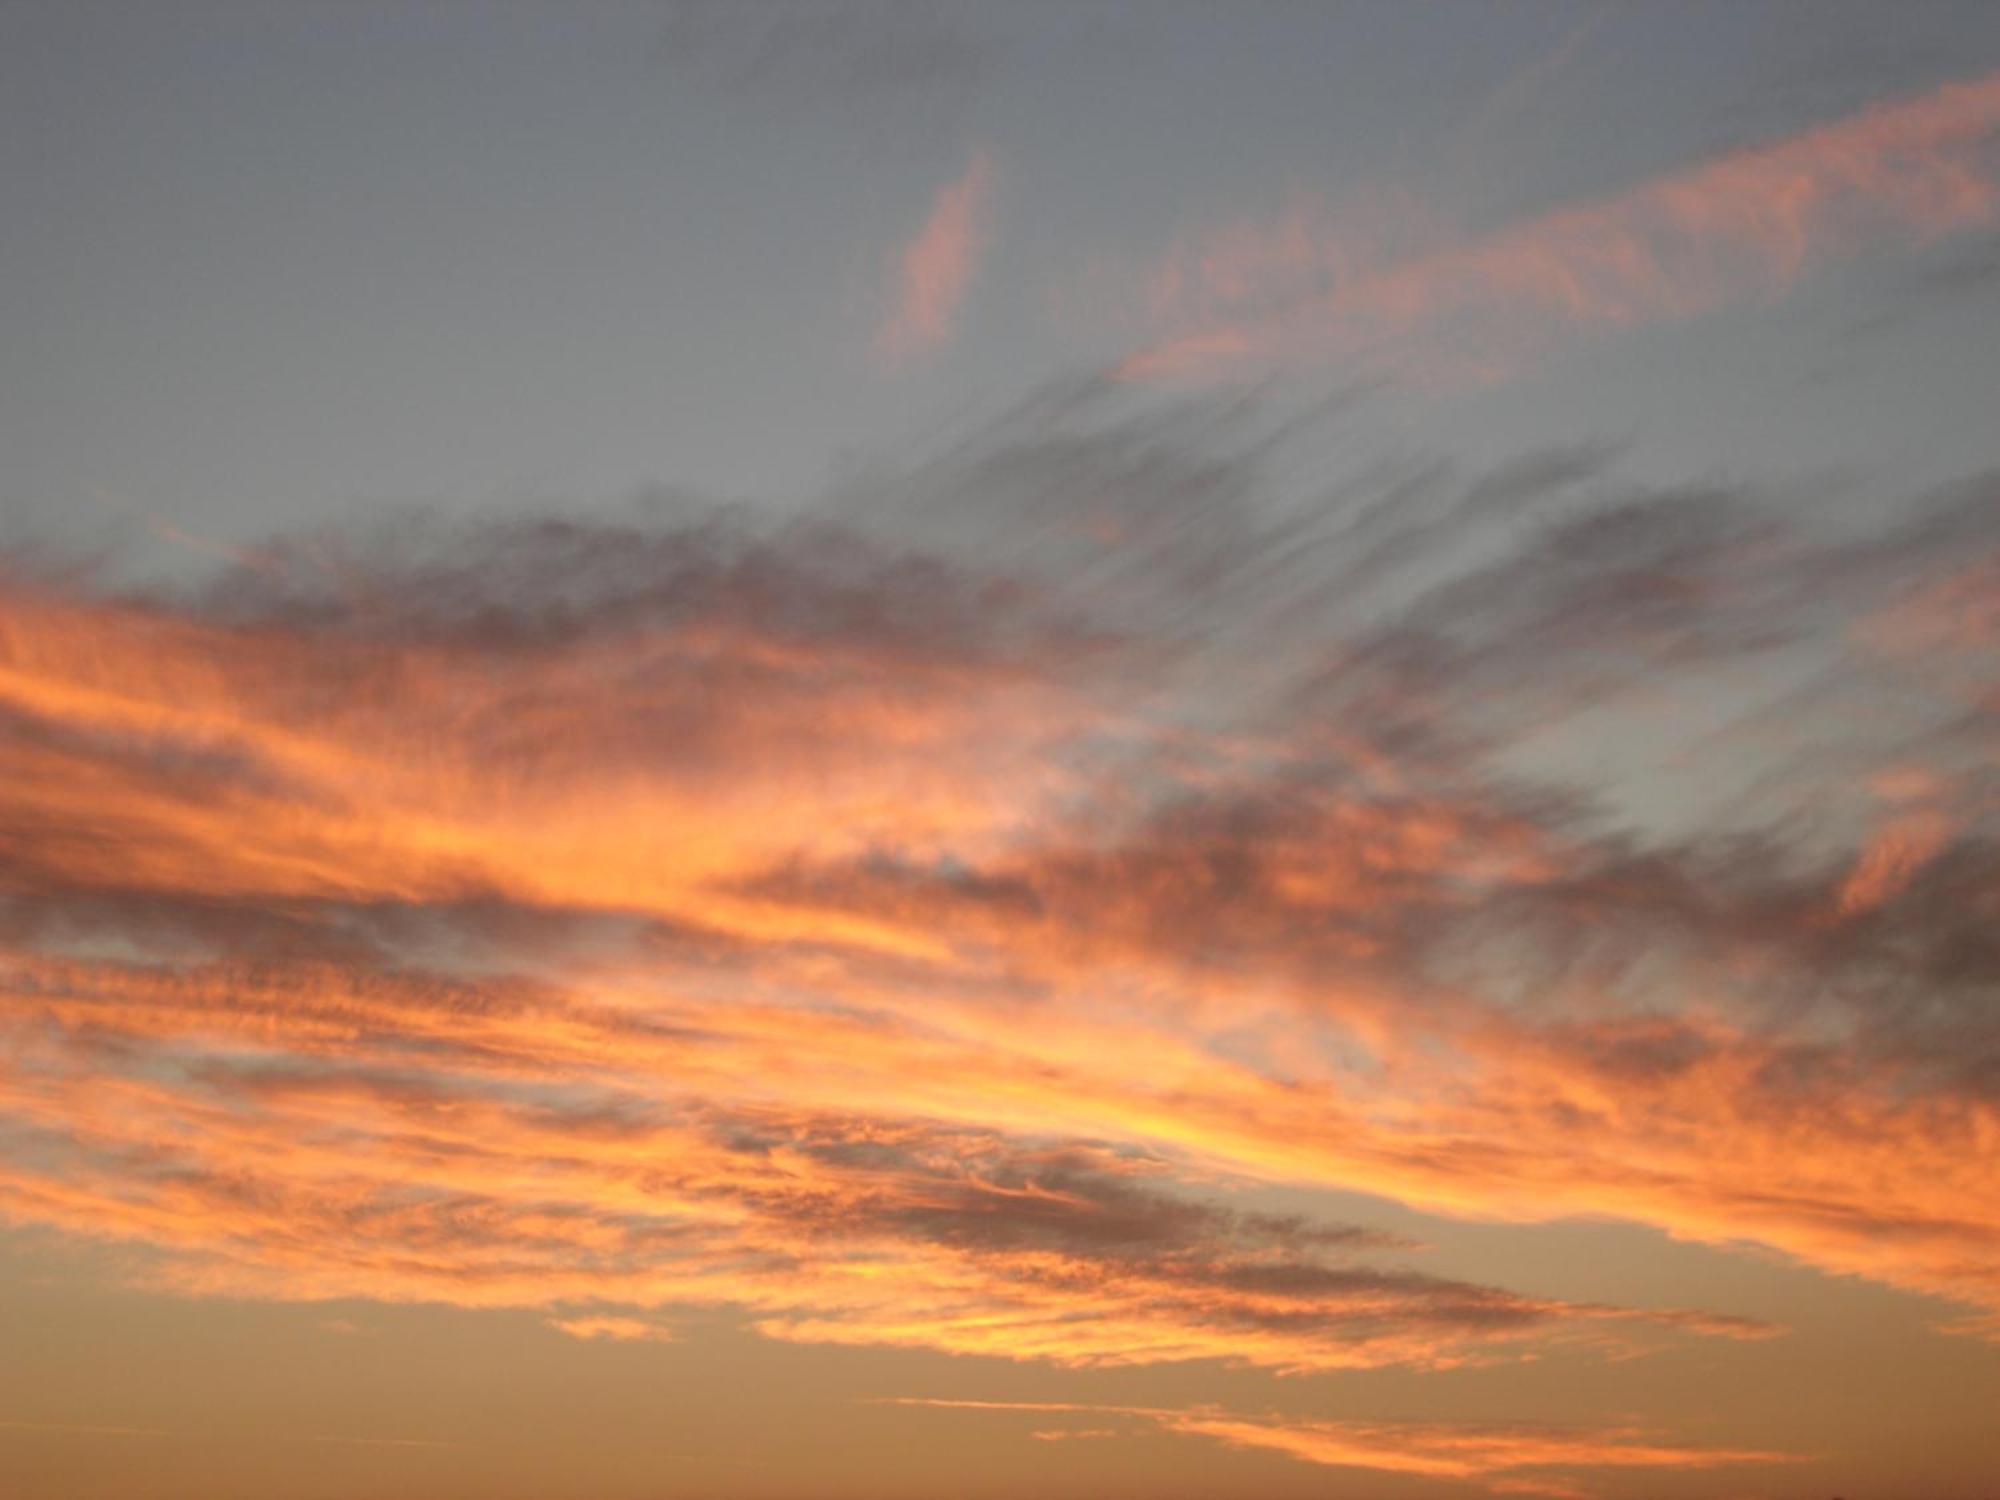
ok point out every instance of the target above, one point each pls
(1745, 223)
(933, 272)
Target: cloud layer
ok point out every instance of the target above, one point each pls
(927, 942)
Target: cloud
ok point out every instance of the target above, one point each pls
(1068, 1434)
(924, 932)
(932, 274)
(848, 52)
(1511, 1459)
(1744, 224)
(1444, 1452)
(616, 1329)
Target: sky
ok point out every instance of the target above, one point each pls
(800, 751)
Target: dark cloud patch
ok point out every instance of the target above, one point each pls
(1002, 1199)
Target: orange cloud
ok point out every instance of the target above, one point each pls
(899, 953)
(1506, 1459)
(618, 1330)
(1459, 1453)
(1746, 223)
(935, 270)
(330, 1169)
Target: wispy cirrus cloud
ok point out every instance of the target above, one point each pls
(931, 275)
(618, 1330)
(1506, 1459)
(1745, 224)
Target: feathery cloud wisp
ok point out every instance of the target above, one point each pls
(1505, 1458)
(931, 275)
(1745, 223)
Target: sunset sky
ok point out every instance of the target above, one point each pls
(868, 752)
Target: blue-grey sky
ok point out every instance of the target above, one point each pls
(265, 262)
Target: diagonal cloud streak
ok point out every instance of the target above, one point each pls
(1747, 223)
(1516, 1459)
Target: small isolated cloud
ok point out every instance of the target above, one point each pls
(618, 1330)
(933, 272)
(1506, 1458)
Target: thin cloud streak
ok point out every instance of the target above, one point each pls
(617, 1330)
(933, 273)
(1516, 1459)
(86, 1429)
(1749, 223)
